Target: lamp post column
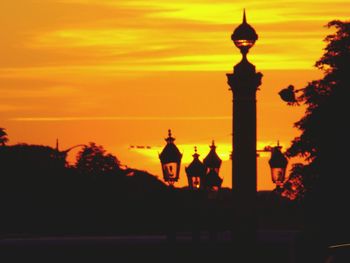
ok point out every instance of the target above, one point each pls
(244, 82)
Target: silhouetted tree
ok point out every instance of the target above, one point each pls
(29, 162)
(93, 159)
(3, 137)
(324, 132)
(325, 136)
(293, 188)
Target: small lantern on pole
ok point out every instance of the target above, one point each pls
(278, 164)
(170, 159)
(212, 164)
(195, 172)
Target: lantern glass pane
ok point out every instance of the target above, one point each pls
(195, 182)
(244, 43)
(278, 175)
(169, 170)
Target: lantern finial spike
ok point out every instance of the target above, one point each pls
(279, 145)
(212, 146)
(195, 155)
(244, 17)
(170, 138)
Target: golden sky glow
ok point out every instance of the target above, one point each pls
(123, 72)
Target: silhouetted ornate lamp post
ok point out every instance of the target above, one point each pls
(244, 82)
(278, 163)
(195, 172)
(170, 159)
(212, 164)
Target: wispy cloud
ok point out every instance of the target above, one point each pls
(161, 35)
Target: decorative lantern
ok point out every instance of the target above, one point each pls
(170, 159)
(278, 163)
(244, 36)
(195, 172)
(212, 163)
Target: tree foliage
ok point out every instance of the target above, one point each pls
(93, 159)
(325, 125)
(3, 137)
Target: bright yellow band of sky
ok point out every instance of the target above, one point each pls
(160, 35)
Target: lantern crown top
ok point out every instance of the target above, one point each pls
(170, 153)
(212, 146)
(196, 167)
(170, 138)
(195, 155)
(244, 36)
(212, 160)
(278, 160)
(278, 145)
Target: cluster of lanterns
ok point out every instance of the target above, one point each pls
(205, 175)
(200, 175)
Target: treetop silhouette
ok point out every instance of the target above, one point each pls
(93, 159)
(325, 125)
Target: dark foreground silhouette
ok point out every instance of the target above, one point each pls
(106, 211)
(100, 211)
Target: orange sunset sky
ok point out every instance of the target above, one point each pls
(121, 72)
